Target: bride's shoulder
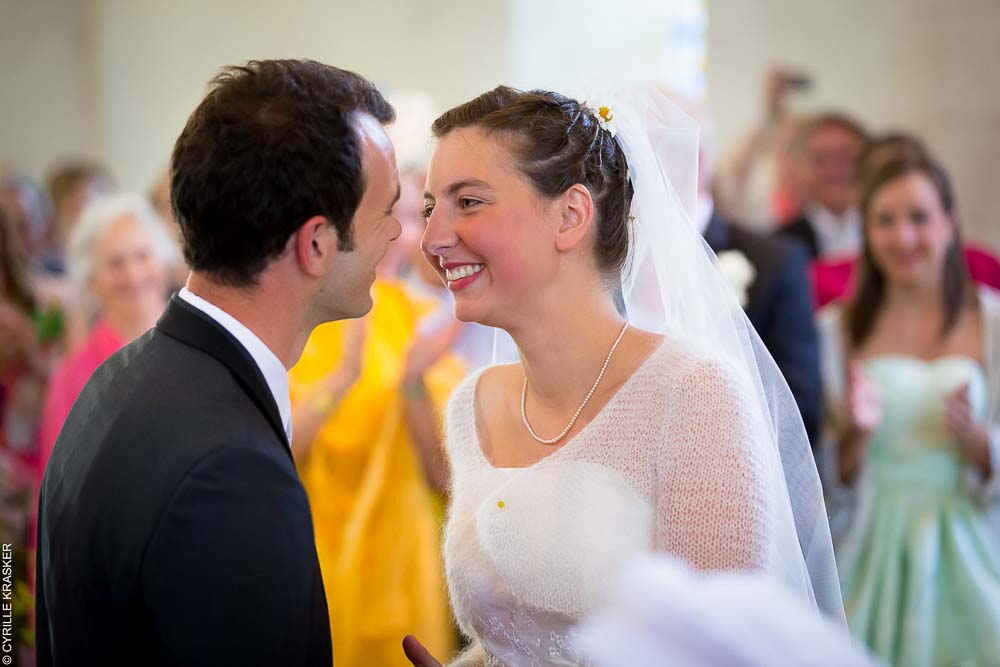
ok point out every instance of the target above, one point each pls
(668, 351)
(687, 361)
(499, 377)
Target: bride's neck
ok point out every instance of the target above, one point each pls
(566, 346)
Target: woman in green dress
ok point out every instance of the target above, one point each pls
(912, 371)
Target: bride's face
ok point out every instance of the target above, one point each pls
(489, 235)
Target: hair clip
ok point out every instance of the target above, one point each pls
(606, 119)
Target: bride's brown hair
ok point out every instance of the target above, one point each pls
(556, 142)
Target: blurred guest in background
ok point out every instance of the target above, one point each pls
(159, 197)
(371, 476)
(826, 150)
(912, 371)
(832, 278)
(119, 256)
(884, 149)
(757, 183)
(71, 186)
(28, 208)
(23, 363)
(23, 371)
(366, 399)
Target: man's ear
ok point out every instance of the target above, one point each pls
(315, 245)
(576, 210)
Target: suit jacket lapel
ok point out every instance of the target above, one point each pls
(191, 326)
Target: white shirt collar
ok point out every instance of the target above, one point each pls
(836, 236)
(270, 366)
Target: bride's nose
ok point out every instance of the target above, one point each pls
(439, 235)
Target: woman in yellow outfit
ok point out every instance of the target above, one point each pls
(366, 401)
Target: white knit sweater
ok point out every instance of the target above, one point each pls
(667, 465)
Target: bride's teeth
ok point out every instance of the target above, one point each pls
(463, 271)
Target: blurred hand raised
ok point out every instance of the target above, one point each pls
(864, 401)
(426, 349)
(971, 436)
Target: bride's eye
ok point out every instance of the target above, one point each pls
(427, 210)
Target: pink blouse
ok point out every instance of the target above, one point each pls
(68, 381)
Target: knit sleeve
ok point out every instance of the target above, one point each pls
(711, 496)
(461, 441)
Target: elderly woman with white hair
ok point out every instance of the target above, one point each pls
(119, 256)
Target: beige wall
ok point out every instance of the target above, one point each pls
(48, 94)
(116, 79)
(578, 48)
(925, 66)
(155, 58)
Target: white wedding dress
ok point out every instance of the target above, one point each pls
(668, 465)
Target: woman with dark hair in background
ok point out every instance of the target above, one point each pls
(832, 279)
(912, 366)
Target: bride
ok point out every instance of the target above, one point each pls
(642, 412)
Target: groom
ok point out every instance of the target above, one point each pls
(173, 529)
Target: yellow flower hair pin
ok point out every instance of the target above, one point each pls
(606, 119)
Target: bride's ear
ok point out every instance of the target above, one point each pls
(576, 209)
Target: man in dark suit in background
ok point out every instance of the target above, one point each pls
(173, 529)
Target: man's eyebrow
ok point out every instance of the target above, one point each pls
(458, 185)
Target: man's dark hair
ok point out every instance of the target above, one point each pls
(272, 144)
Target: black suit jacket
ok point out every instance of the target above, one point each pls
(802, 231)
(780, 307)
(173, 529)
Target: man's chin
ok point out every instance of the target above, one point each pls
(362, 309)
(343, 311)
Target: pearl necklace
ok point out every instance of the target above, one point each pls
(524, 394)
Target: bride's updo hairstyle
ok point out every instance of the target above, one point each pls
(556, 142)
